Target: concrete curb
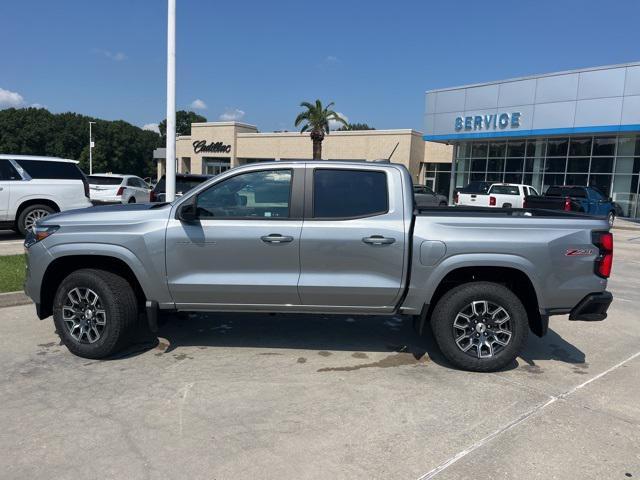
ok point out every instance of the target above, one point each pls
(11, 299)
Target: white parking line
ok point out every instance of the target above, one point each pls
(446, 464)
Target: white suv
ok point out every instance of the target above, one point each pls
(115, 188)
(33, 187)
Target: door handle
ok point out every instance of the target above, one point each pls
(378, 240)
(276, 238)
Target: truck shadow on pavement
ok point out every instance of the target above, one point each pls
(322, 334)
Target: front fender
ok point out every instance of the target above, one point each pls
(152, 283)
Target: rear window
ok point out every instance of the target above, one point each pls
(349, 193)
(505, 190)
(476, 187)
(51, 170)
(100, 180)
(7, 172)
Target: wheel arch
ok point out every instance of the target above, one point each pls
(35, 201)
(64, 265)
(516, 279)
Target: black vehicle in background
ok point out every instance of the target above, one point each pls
(184, 183)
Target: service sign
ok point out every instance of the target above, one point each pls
(489, 122)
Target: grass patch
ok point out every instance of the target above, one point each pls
(12, 272)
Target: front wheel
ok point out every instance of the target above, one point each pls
(95, 312)
(611, 218)
(443, 204)
(480, 326)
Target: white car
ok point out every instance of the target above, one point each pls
(499, 195)
(116, 188)
(33, 187)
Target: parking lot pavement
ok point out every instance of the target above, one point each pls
(283, 396)
(10, 243)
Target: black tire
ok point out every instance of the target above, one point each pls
(443, 204)
(454, 302)
(116, 299)
(23, 222)
(132, 200)
(611, 218)
(507, 205)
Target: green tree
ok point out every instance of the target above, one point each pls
(355, 126)
(315, 119)
(120, 147)
(184, 120)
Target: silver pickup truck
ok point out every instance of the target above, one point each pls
(320, 237)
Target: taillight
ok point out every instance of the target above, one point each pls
(120, 192)
(456, 198)
(524, 203)
(492, 201)
(152, 196)
(567, 205)
(86, 187)
(604, 261)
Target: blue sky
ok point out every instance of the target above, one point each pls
(257, 60)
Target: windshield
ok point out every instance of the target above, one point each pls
(100, 180)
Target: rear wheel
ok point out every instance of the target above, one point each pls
(611, 218)
(132, 200)
(95, 312)
(480, 326)
(30, 215)
(443, 204)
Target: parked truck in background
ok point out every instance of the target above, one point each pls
(575, 198)
(320, 237)
(498, 195)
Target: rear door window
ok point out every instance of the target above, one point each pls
(8, 172)
(51, 170)
(342, 194)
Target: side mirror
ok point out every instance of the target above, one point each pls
(188, 212)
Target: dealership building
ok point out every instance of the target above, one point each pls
(579, 127)
(214, 147)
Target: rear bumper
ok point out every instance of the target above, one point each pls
(592, 308)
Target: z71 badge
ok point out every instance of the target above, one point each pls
(579, 252)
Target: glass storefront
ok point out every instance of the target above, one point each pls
(215, 165)
(611, 163)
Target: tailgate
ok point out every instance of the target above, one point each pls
(475, 199)
(546, 203)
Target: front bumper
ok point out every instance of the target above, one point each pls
(592, 308)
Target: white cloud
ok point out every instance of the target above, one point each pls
(198, 104)
(232, 114)
(334, 125)
(331, 59)
(37, 105)
(115, 56)
(10, 99)
(153, 127)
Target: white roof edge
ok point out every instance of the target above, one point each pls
(7, 156)
(338, 133)
(223, 124)
(540, 75)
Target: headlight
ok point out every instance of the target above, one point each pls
(39, 233)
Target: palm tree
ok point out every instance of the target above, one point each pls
(316, 120)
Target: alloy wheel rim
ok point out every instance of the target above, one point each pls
(84, 315)
(33, 216)
(482, 329)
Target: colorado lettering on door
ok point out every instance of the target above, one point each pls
(488, 122)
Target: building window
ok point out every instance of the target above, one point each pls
(610, 163)
(215, 165)
(186, 165)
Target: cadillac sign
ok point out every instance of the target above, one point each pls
(488, 122)
(200, 146)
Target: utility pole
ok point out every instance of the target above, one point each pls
(91, 145)
(170, 192)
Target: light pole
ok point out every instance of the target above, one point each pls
(91, 145)
(170, 188)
